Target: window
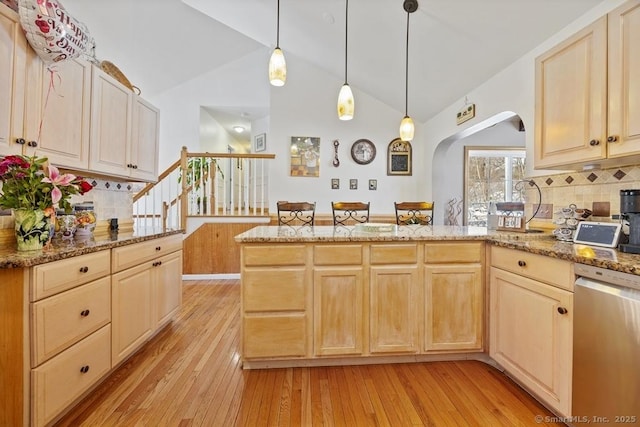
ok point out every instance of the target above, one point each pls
(491, 174)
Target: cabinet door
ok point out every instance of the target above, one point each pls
(338, 310)
(111, 104)
(13, 50)
(453, 307)
(394, 309)
(143, 153)
(571, 100)
(58, 110)
(624, 80)
(531, 338)
(132, 311)
(168, 286)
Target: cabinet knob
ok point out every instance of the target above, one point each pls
(32, 144)
(158, 248)
(85, 313)
(612, 138)
(129, 165)
(594, 142)
(522, 263)
(84, 269)
(20, 141)
(84, 369)
(135, 166)
(562, 310)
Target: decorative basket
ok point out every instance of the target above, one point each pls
(111, 69)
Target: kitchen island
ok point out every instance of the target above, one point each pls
(337, 295)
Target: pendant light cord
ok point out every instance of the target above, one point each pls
(406, 73)
(346, 38)
(278, 27)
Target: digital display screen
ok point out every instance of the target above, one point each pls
(597, 233)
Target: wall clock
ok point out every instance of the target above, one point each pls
(363, 151)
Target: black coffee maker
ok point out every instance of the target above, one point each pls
(630, 212)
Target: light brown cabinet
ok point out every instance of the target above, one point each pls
(587, 97)
(394, 300)
(146, 291)
(13, 51)
(531, 322)
(124, 130)
(454, 296)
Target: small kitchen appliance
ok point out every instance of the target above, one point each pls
(630, 211)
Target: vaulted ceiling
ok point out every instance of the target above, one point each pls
(454, 45)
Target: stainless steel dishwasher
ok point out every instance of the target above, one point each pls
(606, 347)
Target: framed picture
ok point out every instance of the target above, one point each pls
(399, 157)
(260, 142)
(353, 184)
(335, 183)
(373, 184)
(305, 156)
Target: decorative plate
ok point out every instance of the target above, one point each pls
(363, 151)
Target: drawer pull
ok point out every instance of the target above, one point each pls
(158, 248)
(85, 313)
(84, 369)
(594, 142)
(522, 263)
(84, 269)
(562, 310)
(157, 263)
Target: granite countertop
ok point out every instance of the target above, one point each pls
(59, 249)
(537, 243)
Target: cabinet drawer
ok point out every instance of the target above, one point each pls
(394, 254)
(456, 252)
(274, 336)
(273, 290)
(337, 255)
(55, 277)
(58, 382)
(62, 320)
(274, 255)
(128, 256)
(554, 271)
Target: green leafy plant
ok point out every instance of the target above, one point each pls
(32, 183)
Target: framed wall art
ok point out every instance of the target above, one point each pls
(305, 156)
(260, 142)
(399, 157)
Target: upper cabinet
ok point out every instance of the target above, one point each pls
(124, 131)
(57, 112)
(588, 95)
(13, 48)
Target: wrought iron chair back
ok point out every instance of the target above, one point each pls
(296, 213)
(346, 213)
(414, 213)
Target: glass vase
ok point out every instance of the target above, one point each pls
(33, 229)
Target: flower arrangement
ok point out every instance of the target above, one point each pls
(32, 183)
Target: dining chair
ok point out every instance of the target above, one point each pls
(346, 213)
(414, 213)
(296, 213)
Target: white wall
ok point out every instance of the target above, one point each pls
(306, 106)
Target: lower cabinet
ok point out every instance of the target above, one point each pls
(146, 295)
(532, 323)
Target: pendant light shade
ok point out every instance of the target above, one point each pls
(277, 64)
(407, 128)
(346, 103)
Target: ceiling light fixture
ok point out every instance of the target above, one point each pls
(277, 64)
(238, 129)
(407, 128)
(346, 103)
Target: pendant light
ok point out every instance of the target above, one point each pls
(346, 104)
(407, 129)
(277, 64)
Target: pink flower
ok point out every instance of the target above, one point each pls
(57, 179)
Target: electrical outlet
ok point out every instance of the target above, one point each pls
(545, 211)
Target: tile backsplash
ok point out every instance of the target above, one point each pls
(598, 190)
(110, 199)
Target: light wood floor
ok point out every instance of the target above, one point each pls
(190, 375)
